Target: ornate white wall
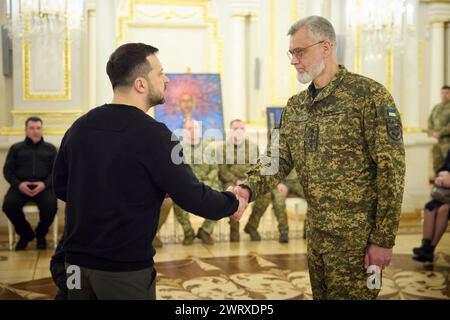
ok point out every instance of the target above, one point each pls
(243, 40)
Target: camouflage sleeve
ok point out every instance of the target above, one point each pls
(445, 131)
(274, 166)
(213, 176)
(430, 123)
(383, 134)
(226, 176)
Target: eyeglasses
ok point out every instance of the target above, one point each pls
(299, 52)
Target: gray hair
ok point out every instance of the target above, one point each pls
(317, 27)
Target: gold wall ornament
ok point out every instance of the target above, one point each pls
(390, 70)
(63, 117)
(126, 20)
(28, 95)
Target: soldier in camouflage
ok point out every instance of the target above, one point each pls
(439, 128)
(235, 157)
(207, 171)
(343, 135)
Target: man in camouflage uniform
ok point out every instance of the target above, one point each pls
(206, 171)
(439, 128)
(236, 158)
(277, 196)
(343, 135)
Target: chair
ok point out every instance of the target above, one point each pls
(31, 207)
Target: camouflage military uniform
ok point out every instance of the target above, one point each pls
(347, 147)
(439, 121)
(235, 162)
(279, 204)
(295, 188)
(207, 172)
(279, 207)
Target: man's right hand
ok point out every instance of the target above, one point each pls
(23, 187)
(243, 198)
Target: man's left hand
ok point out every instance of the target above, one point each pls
(376, 255)
(40, 186)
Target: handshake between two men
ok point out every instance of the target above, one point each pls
(243, 196)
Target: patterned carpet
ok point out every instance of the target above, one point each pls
(264, 277)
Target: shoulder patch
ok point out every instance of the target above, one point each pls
(393, 125)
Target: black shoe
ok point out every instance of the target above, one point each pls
(284, 238)
(425, 248)
(251, 230)
(426, 257)
(23, 243)
(41, 243)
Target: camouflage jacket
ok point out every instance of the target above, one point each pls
(201, 158)
(347, 148)
(439, 120)
(236, 161)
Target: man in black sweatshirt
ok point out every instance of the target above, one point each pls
(114, 167)
(28, 169)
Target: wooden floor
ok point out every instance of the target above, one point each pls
(244, 270)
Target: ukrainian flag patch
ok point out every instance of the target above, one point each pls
(392, 112)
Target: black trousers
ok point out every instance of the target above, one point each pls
(14, 202)
(106, 285)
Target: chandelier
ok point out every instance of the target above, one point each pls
(30, 18)
(382, 25)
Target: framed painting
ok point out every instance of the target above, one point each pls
(273, 116)
(192, 96)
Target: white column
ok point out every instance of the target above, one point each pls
(410, 91)
(105, 45)
(436, 61)
(238, 97)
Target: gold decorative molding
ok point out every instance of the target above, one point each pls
(26, 70)
(8, 131)
(63, 117)
(390, 70)
(414, 130)
(125, 21)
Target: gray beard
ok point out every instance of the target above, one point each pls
(307, 77)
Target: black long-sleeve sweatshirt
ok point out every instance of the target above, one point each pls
(29, 161)
(113, 170)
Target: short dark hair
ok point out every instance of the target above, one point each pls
(128, 62)
(235, 120)
(34, 119)
(446, 87)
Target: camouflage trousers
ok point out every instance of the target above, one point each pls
(295, 188)
(279, 207)
(183, 218)
(439, 152)
(164, 211)
(337, 273)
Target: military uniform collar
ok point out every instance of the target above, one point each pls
(329, 88)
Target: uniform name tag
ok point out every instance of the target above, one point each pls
(334, 112)
(297, 118)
